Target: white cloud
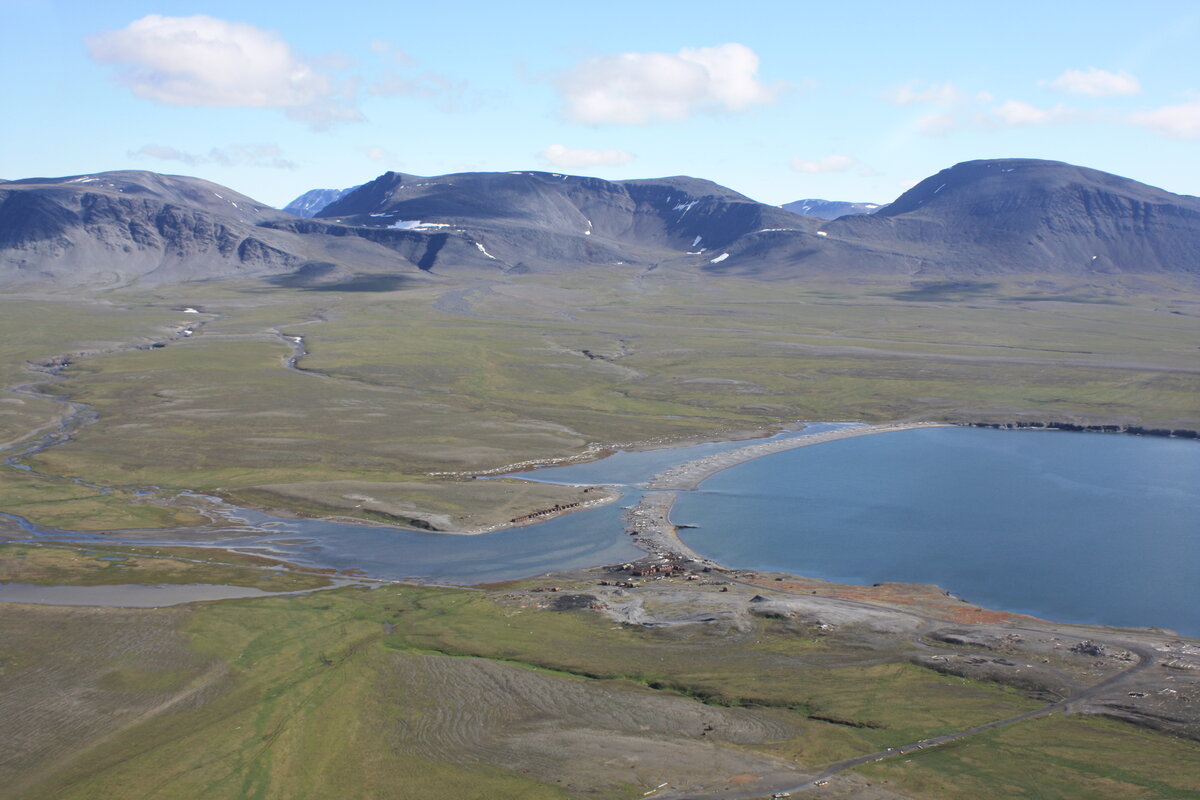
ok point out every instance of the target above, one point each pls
(164, 153)
(1015, 113)
(830, 163)
(952, 103)
(1178, 122)
(205, 61)
(322, 116)
(448, 95)
(377, 153)
(639, 88)
(255, 155)
(911, 93)
(1096, 83)
(251, 155)
(937, 124)
(384, 47)
(569, 157)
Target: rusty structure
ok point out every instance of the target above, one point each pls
(545, 512)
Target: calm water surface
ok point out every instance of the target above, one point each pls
(1071, 527)
(585, 539)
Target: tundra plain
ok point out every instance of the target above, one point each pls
(345, 403)
(383, 405)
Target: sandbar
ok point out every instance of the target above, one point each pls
(687, 476)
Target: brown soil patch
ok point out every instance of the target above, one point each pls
(921, 598)
(742, 778)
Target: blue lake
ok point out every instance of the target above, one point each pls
(1072, 527)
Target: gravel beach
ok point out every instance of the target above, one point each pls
(684, 477)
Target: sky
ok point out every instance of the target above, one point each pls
(778, 100)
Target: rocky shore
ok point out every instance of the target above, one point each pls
(1136, 430)
(649, 524)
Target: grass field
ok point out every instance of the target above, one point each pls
(423, 692)
(1060, 758)
(399, 387)
(102, 565)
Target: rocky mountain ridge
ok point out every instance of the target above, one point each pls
(830, 209)
(974, 220)
(314, 201)
(1009, 216)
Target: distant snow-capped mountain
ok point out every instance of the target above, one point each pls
(314, 201)
(830, 209)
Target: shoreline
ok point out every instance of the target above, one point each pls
(680, 477)
(652, 530)
(650, 527)
(649, 522)
(689, 475)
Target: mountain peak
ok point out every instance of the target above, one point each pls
(314, 201)
(977, 218)
(1019, 180)
(830, 209)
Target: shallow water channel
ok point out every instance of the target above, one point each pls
(1071, 527)
(584, 539)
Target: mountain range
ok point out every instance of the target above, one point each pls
(313, 201)
(976, 219)
(830, 209)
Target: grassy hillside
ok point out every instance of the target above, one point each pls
(422, 692)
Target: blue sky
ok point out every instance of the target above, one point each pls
(779, 100)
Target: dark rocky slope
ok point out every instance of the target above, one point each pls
(985, 218)
(114, 227)
(976, 221)
(539, 220)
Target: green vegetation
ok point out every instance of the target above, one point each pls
(101, 565)
(1054, 757)
(67, 504)
(400, 387)
(279, 701)
(757, 668)
(33, 332)
(415, 692)
(454, 506)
